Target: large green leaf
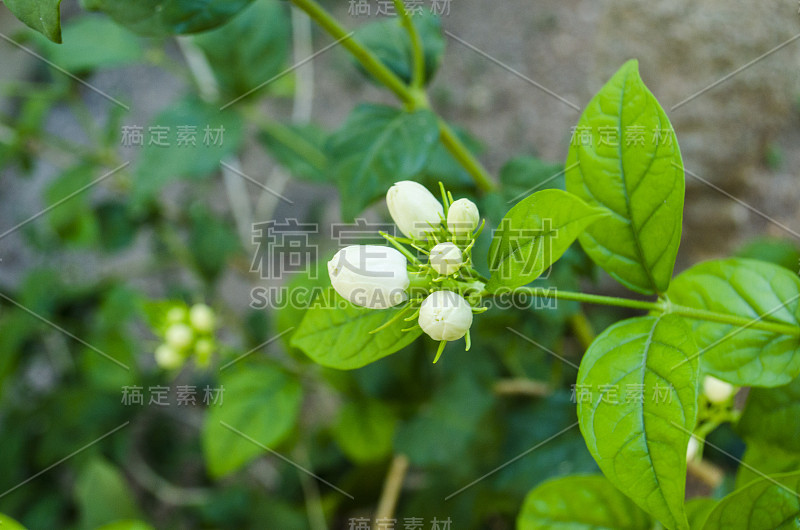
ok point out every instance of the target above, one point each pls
(761, 458)
(168, 17)
(632, 167)
(376, 147)
(336, 333)
(580, 502)
(643, 380)
(773, 415)
(249, 51)
(697, 511)
(534, 234)
(752, 290)
(42, 15)
(770, 502)
(389, 41)
(80, 51)
(260, 402)
(216, 135)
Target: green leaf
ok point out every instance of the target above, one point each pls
(336, 333)
(103, 495)
(524, 175)
(778, 251)
(211, 242)
(42, 15)
(442, 167)
(534, 234)
(159, 165)
(376, 147)
(81, 52)
(752, 290)
(261, 402)
(446, 427)
(773, 415)
(580, 502)
(7, 523)
(168, 17)
(250, 50)
(639, 440)
(389, 41)
(299, 148)
(639, 180)
(364, 430)
(72, 219)
(697, 511)
(770, 502)
(761, 458)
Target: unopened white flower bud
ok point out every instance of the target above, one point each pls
(370, 275)
(176, 314)
(202, 318)
(717, 391)
(445, 315)
(445, 258)
(463, 217)
(692, 448)
(414, 209)
(179, 336)
(168, 357)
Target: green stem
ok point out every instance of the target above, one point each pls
(558, 294)
(464, 157)
(418, 55)
(367, 59)
(411, 97)
(662, 307)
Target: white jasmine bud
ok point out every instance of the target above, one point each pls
(445, 315)
(717, 391)
(176, 314)
(445, 258)
(414, 209)
(202, 318)
(692, 448)
(168, 357)
(463, 217)
(179, 336)
(370, 275)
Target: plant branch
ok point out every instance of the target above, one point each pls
(662, 307)
(522, 387)
(417, 52)
(392, 487)
(413, 99)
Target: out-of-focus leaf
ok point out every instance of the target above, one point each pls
(250, 50)
(168, 17)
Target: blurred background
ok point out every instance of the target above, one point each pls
(95, 273)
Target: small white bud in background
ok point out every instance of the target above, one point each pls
(176, 314)
(414, 209)
(692, 448)
(370, 275)
(179, 336)
(445, 258)
(203, 349)
(717, 391)
(463, 217)
(445, 315)
(168, 357)
(202, 318)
